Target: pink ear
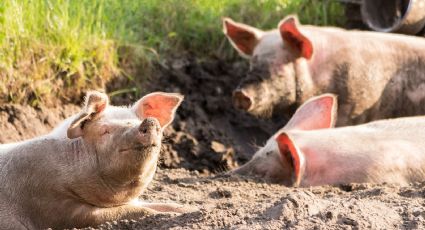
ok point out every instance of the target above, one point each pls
(243, 37)
(290, 154)
(289, 31)
(159, 105)
(316, 113)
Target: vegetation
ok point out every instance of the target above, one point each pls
(58, 48)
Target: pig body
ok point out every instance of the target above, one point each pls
(302, 154)
(390, 151)
(375, 75)
(91, 172)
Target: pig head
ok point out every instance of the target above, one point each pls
(374, 75)
(94, 174)
(127, 147)
(308, 151)
(268, 163)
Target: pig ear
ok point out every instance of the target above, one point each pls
(317, 113)
(94, 104)
(290, 33)
(159, 105)
(290, 153)
(243, 37)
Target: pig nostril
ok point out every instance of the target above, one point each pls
(241, 100)
(149, 125)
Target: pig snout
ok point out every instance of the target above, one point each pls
(149, 132)
(241, 100)
(246, 170)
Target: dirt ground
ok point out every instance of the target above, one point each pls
(208, 137)
(244, 203)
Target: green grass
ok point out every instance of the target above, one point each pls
(58, 48)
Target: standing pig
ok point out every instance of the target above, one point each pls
(375, 75)
(93, 175)
(309, 152)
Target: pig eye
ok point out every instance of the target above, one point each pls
(268, 153)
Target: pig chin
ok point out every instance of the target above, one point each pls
(267, 102)
(261, 111)
(142, 151)
(263, 107)
(146, 148)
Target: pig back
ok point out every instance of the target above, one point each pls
(390, 151)
(376, 76)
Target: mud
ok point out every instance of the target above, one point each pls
(19, 122)
(208, 137)
(208, 134)
(245, 203)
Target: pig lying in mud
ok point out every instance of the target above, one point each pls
(375, 75)
(308, 151)
(90, 173)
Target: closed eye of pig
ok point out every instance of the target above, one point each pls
(308, 151)
(90, 169)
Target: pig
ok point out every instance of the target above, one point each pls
(91, 172)
(375, 75)
(309, 151)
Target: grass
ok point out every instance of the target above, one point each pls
(53, 49)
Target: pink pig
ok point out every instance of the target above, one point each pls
(89, 170)
(308, 151)
(375, 75)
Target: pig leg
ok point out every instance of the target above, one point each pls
(129, 211)
(168, 207)
(83, 217)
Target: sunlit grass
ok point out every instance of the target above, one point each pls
(59, 48)
(52, 48)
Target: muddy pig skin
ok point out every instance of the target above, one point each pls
(89, 172)
(308, 151)
(375, 75)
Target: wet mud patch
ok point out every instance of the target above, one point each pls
(208, 134)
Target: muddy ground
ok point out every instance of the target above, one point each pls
(208, 134)
(208, 137)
